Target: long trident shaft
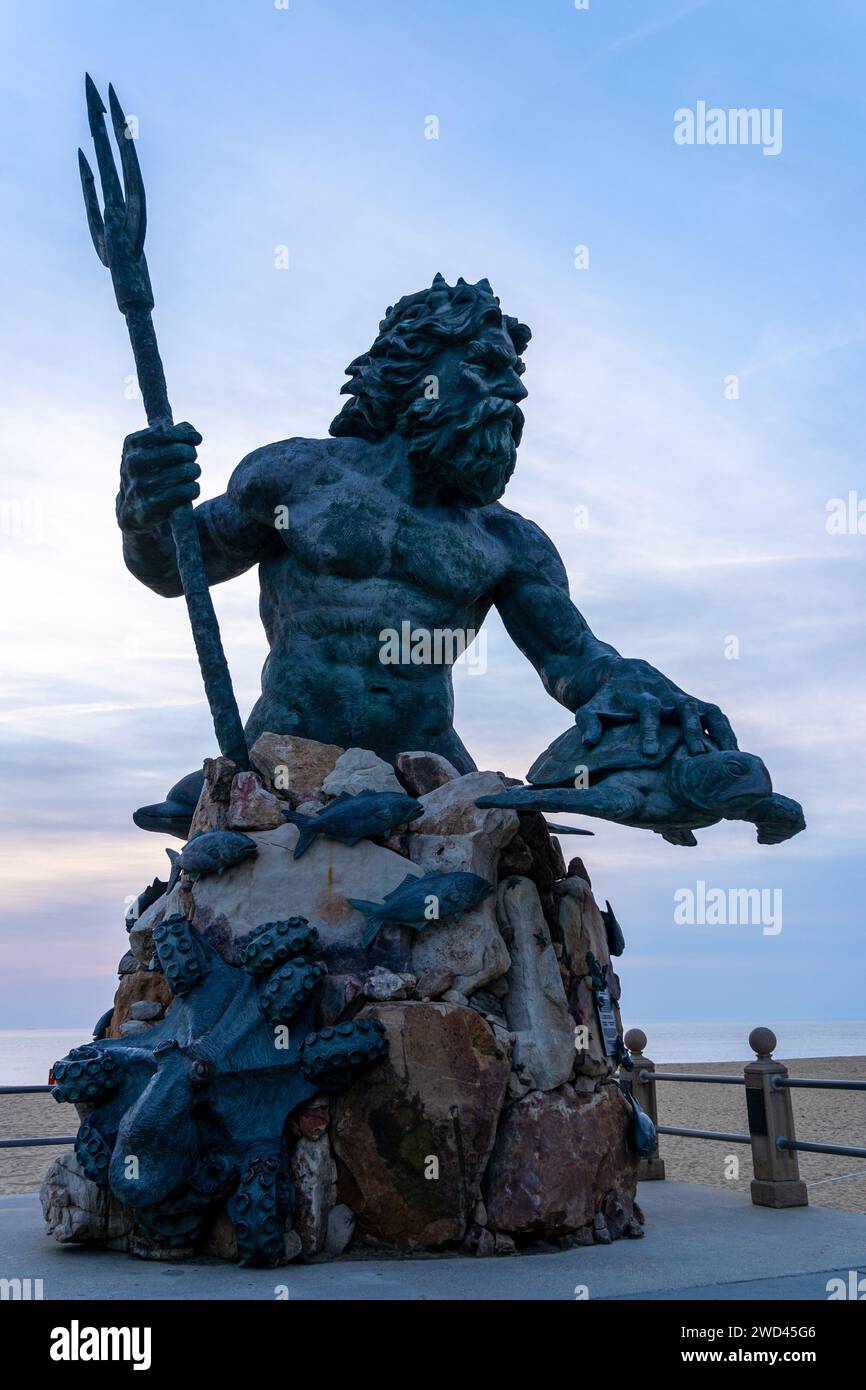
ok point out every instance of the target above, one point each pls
(119, 241)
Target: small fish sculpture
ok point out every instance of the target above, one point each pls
(350, 819)
(210, 852)
(409, 904)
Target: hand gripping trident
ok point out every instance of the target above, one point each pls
(119, 242)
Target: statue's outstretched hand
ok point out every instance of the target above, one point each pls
(636, 691)
(158, 472)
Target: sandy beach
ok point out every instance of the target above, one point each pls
(29, 1117)
(834, 1117)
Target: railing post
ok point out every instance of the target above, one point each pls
(644, 1092)
(777, 1181)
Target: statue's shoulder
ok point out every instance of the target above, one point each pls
(527, 546)
(274, 472)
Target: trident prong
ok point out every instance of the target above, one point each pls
(133, 185)
(104, 158)
(91, 204)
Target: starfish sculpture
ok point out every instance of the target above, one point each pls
(195, 1114)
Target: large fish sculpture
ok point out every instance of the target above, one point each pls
(416, 902)
(350, 819)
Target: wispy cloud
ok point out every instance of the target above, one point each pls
(655, 26)
(39, 713)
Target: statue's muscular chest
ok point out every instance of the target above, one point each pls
(360, 533)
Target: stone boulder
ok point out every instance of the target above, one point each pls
(471, 948)
(294, 768)
(560, 1161)
(581, 925)
(535, 1006)
(453, 836)
(341, 1228)
(360, 770)
(591, 1060)
(144, 986)
(251, 807)
(423, 772)
(314, 1176)
(382, 984)
(212, 808)
(146, 1011)
(583, 933)
(450, 809)
(78, 1212)
(413, 1136)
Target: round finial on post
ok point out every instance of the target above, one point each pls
(762, 1041)
(635, 1040)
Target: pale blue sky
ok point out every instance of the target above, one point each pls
(261, 127)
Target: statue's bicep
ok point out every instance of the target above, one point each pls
(231, 541)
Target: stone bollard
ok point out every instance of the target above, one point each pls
(650, 1169)
(777, 1181)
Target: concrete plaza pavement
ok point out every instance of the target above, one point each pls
(701, 1243)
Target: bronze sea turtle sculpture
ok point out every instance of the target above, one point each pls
(672, 792)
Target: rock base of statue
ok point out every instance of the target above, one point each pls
(270, 1089)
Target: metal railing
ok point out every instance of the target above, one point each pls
(46, 1140)
(771, 1135)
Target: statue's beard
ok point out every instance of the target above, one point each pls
(463, 456)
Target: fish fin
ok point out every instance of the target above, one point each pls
(306, 835)
(371, 931)
(173, 877)
(338, 800)
(374, 922)
(410, 878)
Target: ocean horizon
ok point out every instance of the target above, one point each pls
(27, 1054)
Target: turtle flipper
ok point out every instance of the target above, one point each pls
(677, 835)
(778, 818)
(606, 801)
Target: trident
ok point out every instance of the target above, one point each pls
(119, 242)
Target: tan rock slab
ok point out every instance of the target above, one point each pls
(292, 767)
(535, 1005)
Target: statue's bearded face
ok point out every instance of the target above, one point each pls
(463, 431)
